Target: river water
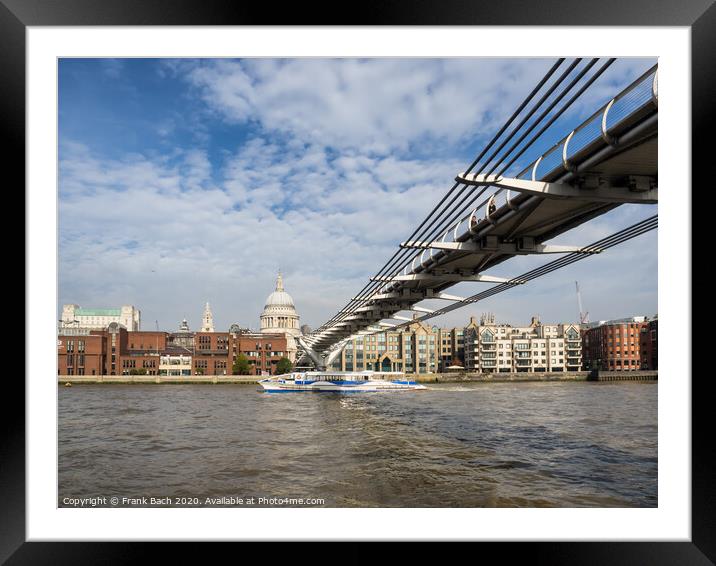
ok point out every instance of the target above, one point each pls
(455, 445)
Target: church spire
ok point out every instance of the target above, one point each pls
(207, 322)
(279, 281)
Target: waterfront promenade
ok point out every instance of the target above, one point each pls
(650, 375)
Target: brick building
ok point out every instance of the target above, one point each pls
(211, 354)
(648, 345)
(142, 352)
(116, 351)
(616, 345)
(82, 353)
(263, 350)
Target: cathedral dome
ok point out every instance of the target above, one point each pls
(279, 314)
(279, 298)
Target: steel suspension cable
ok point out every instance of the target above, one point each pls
(343, 313)
(454, 216)
(617, 238)
(360, 298)
(526, 101)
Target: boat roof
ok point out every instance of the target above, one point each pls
(344, 373)
(364, 372)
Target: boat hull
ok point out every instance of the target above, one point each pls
(280, 386)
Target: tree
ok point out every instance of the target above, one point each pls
(284, 365)
(241, 365)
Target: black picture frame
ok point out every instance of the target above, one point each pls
(17, 15)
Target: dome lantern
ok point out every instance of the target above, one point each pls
(279, 314)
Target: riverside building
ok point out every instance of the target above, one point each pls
(118, 351)
(451, 348)
(82, 354)
(503, 348)
(625, 344)
(648, 345)
(411, 350)
(176, 364)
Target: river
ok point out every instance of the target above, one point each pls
(455, 445)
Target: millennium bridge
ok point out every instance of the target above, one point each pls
(494, 211)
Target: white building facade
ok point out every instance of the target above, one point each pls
(502, 348)
(73, 316)
(175, 365)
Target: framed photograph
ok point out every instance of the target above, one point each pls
(444, 220)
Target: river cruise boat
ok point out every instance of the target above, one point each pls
(339, 382)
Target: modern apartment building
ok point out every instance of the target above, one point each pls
(413, 349)
(451, 348)
(495, 348)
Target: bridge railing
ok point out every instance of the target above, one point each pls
(628, 107)
(492, 200)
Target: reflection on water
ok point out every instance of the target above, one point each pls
(481, 445)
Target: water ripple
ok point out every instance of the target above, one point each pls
(481, 445)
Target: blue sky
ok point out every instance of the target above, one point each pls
(184, 181)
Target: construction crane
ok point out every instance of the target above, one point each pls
(583, 316)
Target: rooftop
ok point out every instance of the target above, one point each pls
(97, 312)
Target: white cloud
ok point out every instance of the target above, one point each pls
(377, 105)
(344, 160)
(160, 233)
(113, 67)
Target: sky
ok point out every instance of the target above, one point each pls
(186, 181)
